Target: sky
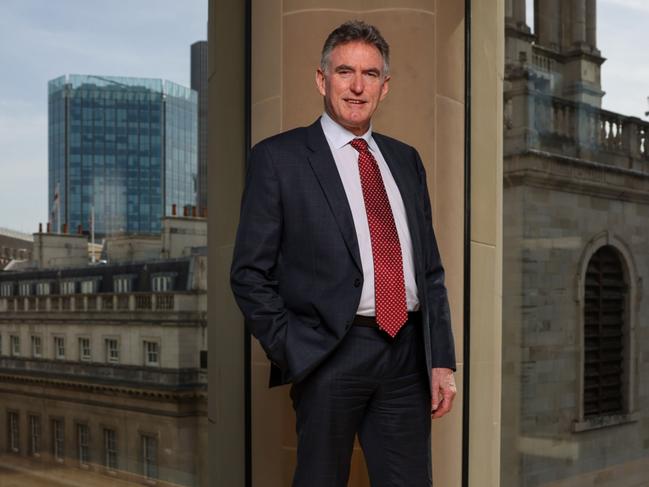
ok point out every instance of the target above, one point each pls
(41, 40)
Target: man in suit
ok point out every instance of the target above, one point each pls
(337, 271)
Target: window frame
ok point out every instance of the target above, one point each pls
(37, 342)
(146, 352)
(583, 423)
(35, 435)
(82, 356)
(167, 277)
(150, 469)
(58, 439)
(6, 289)
(110, 448)
(14, 345)
(123, 283)
(13, 431)
(108, 351)
(58, 345)
(82, 431)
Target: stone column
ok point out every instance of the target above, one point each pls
(591, 23)
(515, 14)
(546, 21)
(578, 22)
(518, 12)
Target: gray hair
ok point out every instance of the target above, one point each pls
(351, 31)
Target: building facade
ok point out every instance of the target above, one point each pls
(103, 367)
(199, 84)
(576, 213)
(123, 148)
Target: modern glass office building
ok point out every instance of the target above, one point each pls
(125, 146)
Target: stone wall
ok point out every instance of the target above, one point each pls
(547, 233)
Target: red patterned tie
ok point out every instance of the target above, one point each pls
(389, 285)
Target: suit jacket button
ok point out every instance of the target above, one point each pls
(357, 282)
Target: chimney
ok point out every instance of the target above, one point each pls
(173, 209)
(194, 211)
(49, 227)
(65, 228)
(40, 228)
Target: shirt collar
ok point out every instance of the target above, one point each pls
(338, 136)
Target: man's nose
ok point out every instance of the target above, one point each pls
(357, 84)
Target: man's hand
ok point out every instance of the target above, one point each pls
(444, 390)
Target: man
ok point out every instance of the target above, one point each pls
(337, 272)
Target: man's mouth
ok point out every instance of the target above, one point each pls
(354, 101)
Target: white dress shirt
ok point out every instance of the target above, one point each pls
(346, 158)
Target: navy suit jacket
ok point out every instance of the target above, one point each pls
(296, 271)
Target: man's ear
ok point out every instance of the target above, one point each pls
(385, 88)
(320, 81)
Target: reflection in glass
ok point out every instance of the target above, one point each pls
(575, 403)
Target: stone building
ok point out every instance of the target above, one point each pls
(103, 367)
(576, 213)
(14, 246)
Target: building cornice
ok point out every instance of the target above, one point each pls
(564, 173)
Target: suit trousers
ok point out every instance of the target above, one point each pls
(373, 386)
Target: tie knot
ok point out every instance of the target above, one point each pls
(360, 145)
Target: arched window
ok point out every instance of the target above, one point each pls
(605, 316)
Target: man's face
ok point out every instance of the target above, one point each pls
(353, 85)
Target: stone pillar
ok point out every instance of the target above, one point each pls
(546, 20)
(591, 23)
(515, 14)
(519, 12)
(578, 22)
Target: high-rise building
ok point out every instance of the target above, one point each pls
(122, 148)
(199, 83)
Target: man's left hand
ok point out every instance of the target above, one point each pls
(444, 390)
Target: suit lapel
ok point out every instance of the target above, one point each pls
(324, 167)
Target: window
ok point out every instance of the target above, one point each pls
(59, 348)
(84, 349)
(6, 289)
(604, 316)
(34, 435)
(83, 444)
(162, 283)
(89, 286)
(112, 350)
(25, 288)
(37, 346)
(14, 343)
(151, 353)
(13, 430)
(110, 448)
(58, 439)
(150, 456)
(43, 288)
(68, 287)
(122, 284)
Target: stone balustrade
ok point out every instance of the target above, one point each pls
(573, 129)
(105, 303)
